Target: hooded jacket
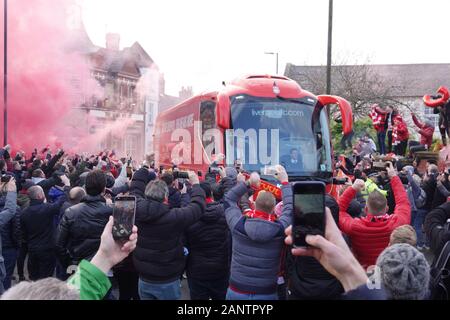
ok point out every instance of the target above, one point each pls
(5, 216)
(11, 233)
(159, 254)
(426, 132)
(369, 235)
(257, 244)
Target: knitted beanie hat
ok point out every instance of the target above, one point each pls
(404, 272)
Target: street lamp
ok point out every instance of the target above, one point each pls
(274, 53)
(5, 73)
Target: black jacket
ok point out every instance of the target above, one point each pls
(174, 198)
(11, 232)
(429, 186)
(440, 198)
(159, 255)
(37, 223)
(308, 279)
(434, 227)
(208, 241)
(80, 229)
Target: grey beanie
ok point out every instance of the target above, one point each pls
(231, 172)
(404, 272)
(429, 123)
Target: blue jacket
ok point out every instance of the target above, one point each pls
(10, 232)
(257, 244)
(6, 215)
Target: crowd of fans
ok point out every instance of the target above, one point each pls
(229, 238)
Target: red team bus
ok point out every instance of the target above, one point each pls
(258, 120)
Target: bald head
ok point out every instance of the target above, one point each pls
(76, 194)
(36, 193)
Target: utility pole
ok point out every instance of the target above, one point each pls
(330, 44)
(5, 73)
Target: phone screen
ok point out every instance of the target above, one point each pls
(309, 211)
(124, 213)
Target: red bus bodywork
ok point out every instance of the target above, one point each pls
(186, 113)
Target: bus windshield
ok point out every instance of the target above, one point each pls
(267, 132)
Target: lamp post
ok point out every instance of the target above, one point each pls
(276, 54)
(5, 73)
(330, 43)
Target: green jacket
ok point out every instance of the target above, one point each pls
(91, 282)
(370, 187)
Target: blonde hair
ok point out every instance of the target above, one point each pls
(376, 203)
(403, 234)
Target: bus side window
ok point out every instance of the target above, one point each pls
(208, 115)
(208, 119)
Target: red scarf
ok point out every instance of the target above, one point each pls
(209, 200)
(255, 214)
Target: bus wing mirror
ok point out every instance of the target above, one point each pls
(223, 111)
(344, 107)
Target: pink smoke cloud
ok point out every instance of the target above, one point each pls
(39, 68)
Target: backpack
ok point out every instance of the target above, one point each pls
(440, 272)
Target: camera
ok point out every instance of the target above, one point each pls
(6, 178)
(180, 175)
(214, 170)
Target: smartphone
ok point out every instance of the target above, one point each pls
(124, 213)
(309, 211)
(269, 170)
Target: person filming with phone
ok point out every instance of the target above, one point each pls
(159, 256)
(369, 235)
(257, 239)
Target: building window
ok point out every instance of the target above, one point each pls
(131, 144)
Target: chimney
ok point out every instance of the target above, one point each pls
(113, 41)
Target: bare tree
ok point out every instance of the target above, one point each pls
(360, 84)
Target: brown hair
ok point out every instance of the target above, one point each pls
(376, 203)
(403, 234)
(265, 202)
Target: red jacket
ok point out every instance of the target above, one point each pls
(378, 119)
(370, 235)
(426, 132)
(400, 132)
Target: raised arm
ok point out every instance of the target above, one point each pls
(232, 211)
(345, 220)
(402, 210)
(417, 122)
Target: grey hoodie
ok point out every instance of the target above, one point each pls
(257, 244)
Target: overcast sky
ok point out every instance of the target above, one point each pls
(202, 42)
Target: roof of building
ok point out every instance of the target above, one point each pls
(127, 61)
(167, 101)
(416, 80)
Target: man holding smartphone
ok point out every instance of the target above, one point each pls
(257, 240)
(369, 235)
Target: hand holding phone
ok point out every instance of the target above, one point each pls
(124, 215)
(309, 211)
